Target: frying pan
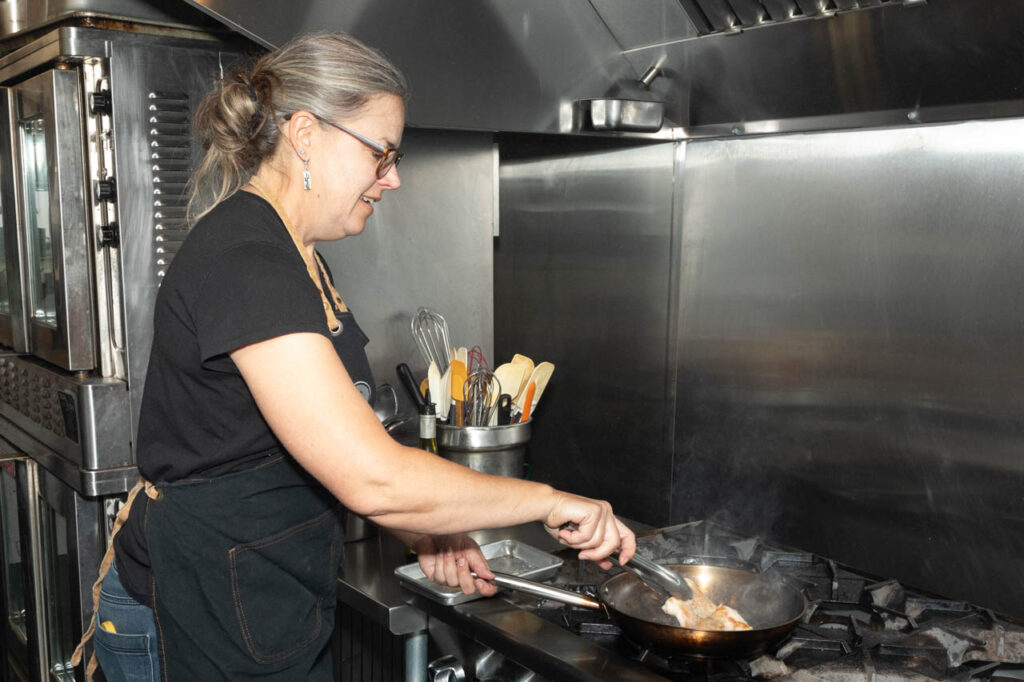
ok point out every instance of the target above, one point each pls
(771, 607)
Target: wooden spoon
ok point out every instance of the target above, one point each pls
(515, 392)
(511, 377)
(541, 376)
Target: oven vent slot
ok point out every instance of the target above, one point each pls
(170, 158)
(729, 16)
(33, 394)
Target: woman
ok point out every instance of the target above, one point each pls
(252, 426)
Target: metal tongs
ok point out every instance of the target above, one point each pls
(655, 576)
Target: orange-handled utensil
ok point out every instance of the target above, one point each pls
(458, 368)
(528, 401)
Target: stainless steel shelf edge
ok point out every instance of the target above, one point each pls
(72, 42)
(86, 421)
(86, 482)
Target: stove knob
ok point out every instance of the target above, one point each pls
(446, 669)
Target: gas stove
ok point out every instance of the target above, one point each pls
(858, 626)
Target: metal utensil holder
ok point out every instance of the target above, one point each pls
(495, 450)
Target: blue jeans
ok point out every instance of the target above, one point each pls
(130, 654)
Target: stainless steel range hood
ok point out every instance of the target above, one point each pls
(724, 66)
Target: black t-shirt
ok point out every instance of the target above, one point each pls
(238, 279)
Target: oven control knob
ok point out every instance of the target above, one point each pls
(99, 103)
(446, 669)
(105, 190)
(109, 235)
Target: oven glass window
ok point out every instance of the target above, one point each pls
(13, 576)
(37, 216)
(57, 581)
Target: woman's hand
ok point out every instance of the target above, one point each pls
(449, 559)
(589, 525)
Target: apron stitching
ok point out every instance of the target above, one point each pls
(236, 594)
(159, 633)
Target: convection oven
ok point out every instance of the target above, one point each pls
(95, 154)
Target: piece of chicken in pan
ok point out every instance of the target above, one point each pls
(700, 613)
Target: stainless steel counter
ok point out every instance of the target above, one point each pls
(367, 583)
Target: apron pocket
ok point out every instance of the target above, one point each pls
(279, 585)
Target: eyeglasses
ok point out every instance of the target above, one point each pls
(386, 156)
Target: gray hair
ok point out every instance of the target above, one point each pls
(331, 75)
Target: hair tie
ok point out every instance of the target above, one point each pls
(252, 95)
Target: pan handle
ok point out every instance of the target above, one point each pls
(546, 591)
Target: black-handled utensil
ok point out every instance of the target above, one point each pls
(409, 381)
(504, 409)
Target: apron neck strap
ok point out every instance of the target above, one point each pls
(314, 266)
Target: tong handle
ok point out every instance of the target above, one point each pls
(541, 590)
(667, 581)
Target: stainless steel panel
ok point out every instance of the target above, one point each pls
(582, 276)
(155, 85)
(644, 22)
(518, 66)
(427, 244)
(58, 258)
(471, 64)
(850, 365)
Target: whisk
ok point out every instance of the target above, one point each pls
(476, 359)
(430, 331)
(481, 391)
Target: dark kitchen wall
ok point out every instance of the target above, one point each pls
(811, 337)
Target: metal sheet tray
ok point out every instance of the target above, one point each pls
(504, 556)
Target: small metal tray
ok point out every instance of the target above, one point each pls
(504, 556)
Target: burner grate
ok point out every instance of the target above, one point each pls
(859, 627)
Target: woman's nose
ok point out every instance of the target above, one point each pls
(391, 179)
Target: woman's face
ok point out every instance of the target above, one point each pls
(343, 170)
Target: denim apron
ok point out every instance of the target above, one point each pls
(245, 565)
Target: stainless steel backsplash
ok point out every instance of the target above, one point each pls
(833, 319)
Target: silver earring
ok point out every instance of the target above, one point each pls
(307, 182)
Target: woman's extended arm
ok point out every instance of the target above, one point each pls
(308, 399)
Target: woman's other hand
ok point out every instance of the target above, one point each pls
(450, 559)
(590, 526)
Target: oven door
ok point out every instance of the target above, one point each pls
(13, 328)
(19, 594)
(54, 225)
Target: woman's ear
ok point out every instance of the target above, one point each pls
(300, 131)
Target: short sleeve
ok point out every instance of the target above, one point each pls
(254, 292)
